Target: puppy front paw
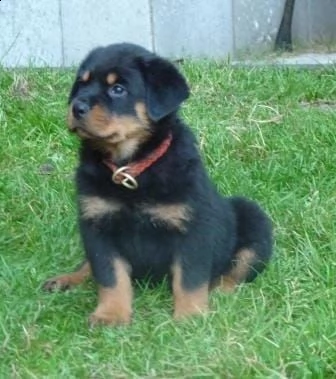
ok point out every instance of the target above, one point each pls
(111, 318)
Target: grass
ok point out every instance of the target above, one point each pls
(267, 133)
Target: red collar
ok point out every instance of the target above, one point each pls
(126, 175)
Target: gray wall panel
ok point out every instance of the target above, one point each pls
(193, 27)
(89, 23)
(61, 32)
(256, 23)
(30, 33)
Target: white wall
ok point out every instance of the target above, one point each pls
(60, 32)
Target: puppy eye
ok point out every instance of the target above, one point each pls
(117, 91)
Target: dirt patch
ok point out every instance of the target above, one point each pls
(323, 105)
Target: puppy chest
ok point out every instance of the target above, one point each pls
(149, 250)
(168, 217)
(147, 236)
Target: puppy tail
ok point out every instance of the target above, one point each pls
(254, 246)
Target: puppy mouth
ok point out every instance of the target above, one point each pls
(113, 137)
(111, 131)
(87, 128)
(82, 131)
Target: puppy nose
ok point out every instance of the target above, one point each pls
(80, 108)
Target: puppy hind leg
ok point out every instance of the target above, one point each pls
(242, 269)
(254, 246)
(66, 281)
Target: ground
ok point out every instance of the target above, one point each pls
(267, 133)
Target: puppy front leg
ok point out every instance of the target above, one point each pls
(190, 289)
(114, 301)
(112, 275)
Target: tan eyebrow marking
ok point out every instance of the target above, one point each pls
(86, 76)
(111, 78)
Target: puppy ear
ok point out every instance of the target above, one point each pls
(166, 88)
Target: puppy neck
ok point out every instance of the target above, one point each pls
(133, 148)
(122, 151)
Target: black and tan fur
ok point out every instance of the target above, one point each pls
(123, 104)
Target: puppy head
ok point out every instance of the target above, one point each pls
(120, 93)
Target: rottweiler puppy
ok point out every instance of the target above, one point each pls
(147, 209)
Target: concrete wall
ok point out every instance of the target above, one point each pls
(87, 23)
(256, 23)
(60, 32)
(189, 27)
(315, 21)
(30, 30)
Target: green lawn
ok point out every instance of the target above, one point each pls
(265, 133)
